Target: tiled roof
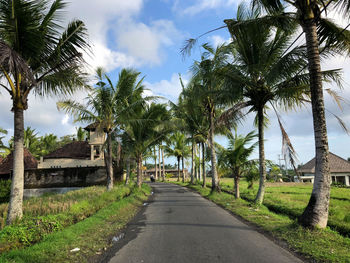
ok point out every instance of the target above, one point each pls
(29, 162)
(73, 150)
(336, 165)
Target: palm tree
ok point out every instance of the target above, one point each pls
(236, 156)
(318, 30)
(265, 72)
(3, 149)
(177, 147)
(146, 128)
(36, 56)
(207, 87)
(109, 107)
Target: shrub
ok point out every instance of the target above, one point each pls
(5, 189)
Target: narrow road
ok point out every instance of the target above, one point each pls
(181, 226)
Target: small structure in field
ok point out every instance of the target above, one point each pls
(339, 168)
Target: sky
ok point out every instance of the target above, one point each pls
(147, 35)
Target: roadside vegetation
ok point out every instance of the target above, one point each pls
(52, 213)
(104, 224)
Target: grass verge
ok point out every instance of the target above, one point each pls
(316, 245)
(92, 235)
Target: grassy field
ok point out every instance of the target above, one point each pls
(291, 199)
(92, 236)
(314, 245)
(48, 214)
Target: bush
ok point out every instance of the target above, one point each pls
(5, 190)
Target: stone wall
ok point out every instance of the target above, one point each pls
(67, 162)
(64, 177)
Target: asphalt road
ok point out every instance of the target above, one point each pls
(181, 226)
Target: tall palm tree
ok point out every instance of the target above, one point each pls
(36, 56)
(266, 73)
(146, 128)
(318, 30)
(236, 156)
(207, 84)
(177, 147)
(109, 107)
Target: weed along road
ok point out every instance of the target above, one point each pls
(181, 226)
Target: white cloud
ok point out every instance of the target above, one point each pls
(198, 6)
(169, 89)
(65, 119)
(217, 40)
(146, 42)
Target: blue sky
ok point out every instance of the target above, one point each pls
(147, 35)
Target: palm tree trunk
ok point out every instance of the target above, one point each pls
(160, 167)
(17, 184)
(199, 166)
(109, 159)
(192, 164)
(316, 212)
(203, 163)
(178, 168)
(127, 170)
(183, 169)
(155, 164)
(262, 169)
(214, 175)
(236, 185)
(163, 165)
(139, 171)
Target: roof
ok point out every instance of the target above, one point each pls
(73, 150)
(336, 165)
(29, 162)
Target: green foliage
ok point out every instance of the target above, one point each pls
(106, 222)
(5, 190)
(44, 215)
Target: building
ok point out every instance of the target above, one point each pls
(339, 168)
(78, 153)
(6, 165)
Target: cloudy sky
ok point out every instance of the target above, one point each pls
(148, 35)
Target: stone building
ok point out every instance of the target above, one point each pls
(339, 168)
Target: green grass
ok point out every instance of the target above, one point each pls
(92, 235)
(320, 245)
(291, 199)
(56, 213)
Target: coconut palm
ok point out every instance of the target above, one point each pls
(207, 88)
(320, 35)
(109, 107)
(265, 73)
(177, 146)
(236, 156)
(4, 150)
(146, 128)
(37, 56)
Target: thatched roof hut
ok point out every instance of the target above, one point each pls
(6, 165)
(73, 150)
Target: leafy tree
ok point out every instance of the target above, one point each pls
(109, 107)
(37, 56)
(82, 135)
(320, 35)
